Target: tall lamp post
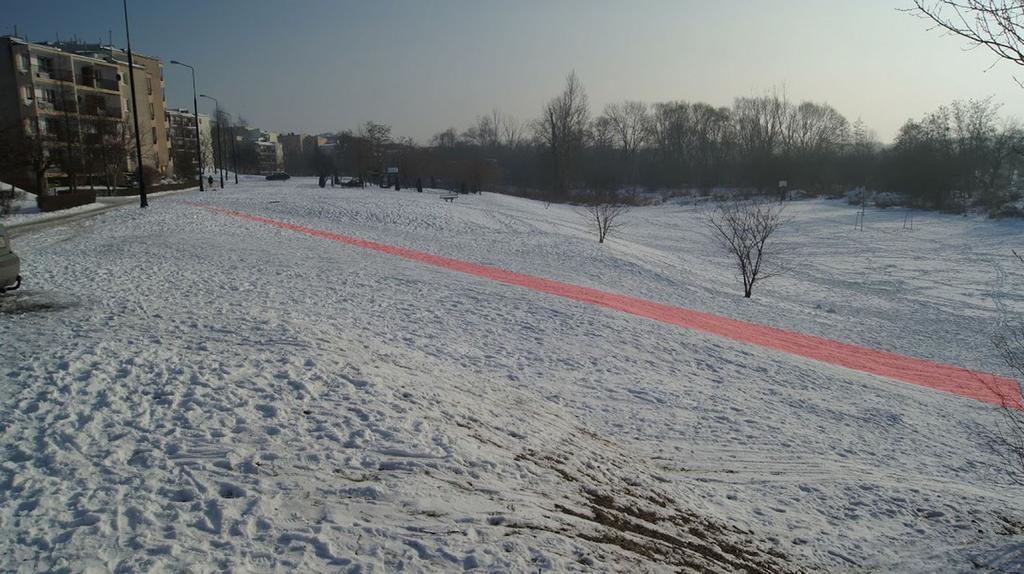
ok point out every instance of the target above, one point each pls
(195, 111)
(234, 153)
(220, 143)
(135, 110)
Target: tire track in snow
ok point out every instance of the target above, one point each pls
(975, 385)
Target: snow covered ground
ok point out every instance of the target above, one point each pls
(184, 390)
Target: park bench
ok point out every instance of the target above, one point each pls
(449, 198)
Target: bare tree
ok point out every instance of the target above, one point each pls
(487, 131)
(25, 149)
(998, 25)
(630, 124)
(377, 137)
(815, 128)
(760, 122)
(12, 164)
(107, 150)
(603, 211)
(562, 130)
(511, 132)
(1007, 439)
(747, 230)
(602, 133)
(446, 139)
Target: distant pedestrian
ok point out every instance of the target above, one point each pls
(209, 181)
(419, 184)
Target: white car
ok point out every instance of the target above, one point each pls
(10, 265)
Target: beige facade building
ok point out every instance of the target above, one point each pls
(269, 151)
(76, 100)
(181, 134)
(150, 93)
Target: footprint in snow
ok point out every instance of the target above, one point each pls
(228, 490)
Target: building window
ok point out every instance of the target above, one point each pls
(23, 62)
(152, 113)
(149, 84)
(154, 135)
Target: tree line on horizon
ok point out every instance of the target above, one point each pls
(961, 156)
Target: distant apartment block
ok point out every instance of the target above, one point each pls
(292, 150)
(269, 151)
(181, 135)
(75, 96)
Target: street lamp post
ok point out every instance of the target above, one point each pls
(195, 110)
(235, 156)
(135, 110)
(220, 143)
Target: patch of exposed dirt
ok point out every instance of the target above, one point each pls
(651, 525)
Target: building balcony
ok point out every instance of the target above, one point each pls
(55, 75)
(99, 84)
(57, 106)
(54, 138)
(100, 112)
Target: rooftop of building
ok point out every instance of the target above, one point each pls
(82, 49)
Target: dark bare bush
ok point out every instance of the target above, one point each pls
(1007, 438)
(747, 230)
(7, 197)
(603, 211)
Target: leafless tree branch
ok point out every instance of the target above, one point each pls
(747, 230)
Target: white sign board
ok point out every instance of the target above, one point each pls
(783, 183)
(392, 170)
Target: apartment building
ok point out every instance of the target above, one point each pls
(150, 92)
(268, 150)
(293, 152)
(181, 136)
(75, 98)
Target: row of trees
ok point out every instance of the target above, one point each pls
(956, 156)
(88, 147)
(92, 150)
(959, 155)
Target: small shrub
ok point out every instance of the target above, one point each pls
(857, 195)
(7, 197)
(1007, 210)
(889, 199)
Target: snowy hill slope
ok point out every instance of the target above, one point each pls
(183, 389)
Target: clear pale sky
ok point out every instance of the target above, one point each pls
(422, 66)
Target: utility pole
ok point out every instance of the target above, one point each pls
(135, 111)
(195, 111)
(234, 154)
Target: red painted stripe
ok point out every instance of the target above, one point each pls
(972, 384)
